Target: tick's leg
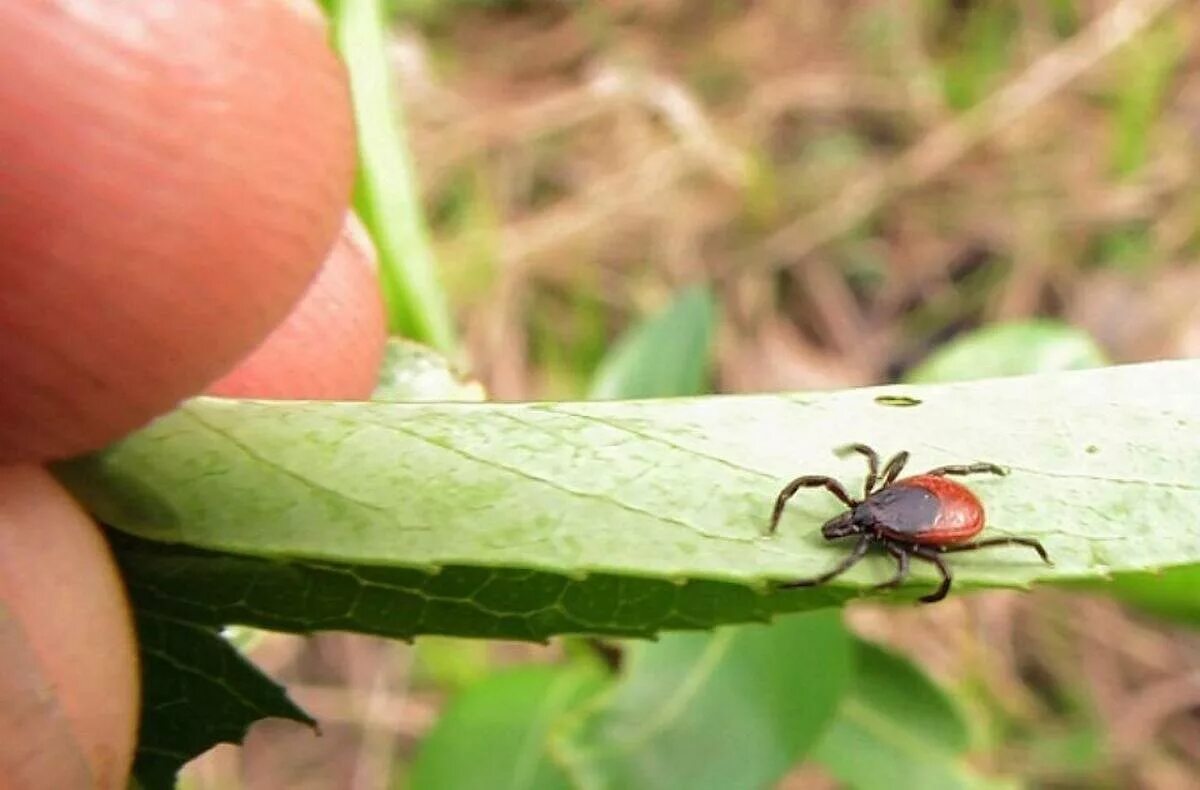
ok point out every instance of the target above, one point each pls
(930, 555)
(892, 470)
(983, 544)
(872, 464)
(854, 556)
(968, 469)
(808, 481)
(901, 567)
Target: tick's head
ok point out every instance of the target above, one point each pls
(840, 526)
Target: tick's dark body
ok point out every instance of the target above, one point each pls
(927, 510)
(922, 516)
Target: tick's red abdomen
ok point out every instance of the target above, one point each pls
(959, 514)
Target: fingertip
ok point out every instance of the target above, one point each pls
(173, 175)
(330, 347)
(66, 642)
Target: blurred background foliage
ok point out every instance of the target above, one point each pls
(610, 199)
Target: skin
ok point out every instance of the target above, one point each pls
(172, 220)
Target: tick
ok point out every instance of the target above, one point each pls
(924, 516)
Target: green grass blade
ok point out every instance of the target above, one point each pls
(386, 194)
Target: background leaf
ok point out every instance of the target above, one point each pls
(747, 700)
(896, 728)
(1015, 349)
(668, 355)
(495, 735)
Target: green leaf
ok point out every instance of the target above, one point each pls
(1011, 350)
(731, 709)
(896, 728)
(197, 691)
(495, 735)
(386, 194)
(197, 688)
(1173, 593)
(525, 520)
(665, 356)
(305, 595)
